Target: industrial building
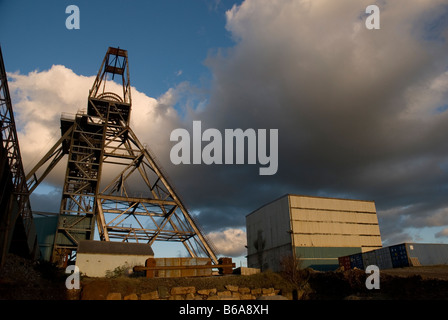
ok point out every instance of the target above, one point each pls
(316, 231)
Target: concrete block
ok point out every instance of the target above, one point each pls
(244, 271)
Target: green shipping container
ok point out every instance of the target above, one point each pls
(45, 224)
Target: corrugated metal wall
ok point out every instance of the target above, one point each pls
(170, 262)
(331, 204)
(46, 229)
(319, 229)
(330, 222)
(268, 235)
(428, 253)
(383, 258)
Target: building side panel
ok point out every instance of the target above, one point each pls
(332, 204)
(336, 216)
(370, 241)
(366, 218)
(326, 240)
(325, 252)
(268, 227)
(334, 228)
(369, 229)
(269, 259)
(322, 215)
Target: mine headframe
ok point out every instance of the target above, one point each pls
(111, 180)
(17, 230)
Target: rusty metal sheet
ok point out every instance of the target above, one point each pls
(180, 262)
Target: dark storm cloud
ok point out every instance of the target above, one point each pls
(48, 202)
(358, 111)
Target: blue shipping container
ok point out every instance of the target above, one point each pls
(399, 256)
(356, 261)
(369, 258)
(383, 258)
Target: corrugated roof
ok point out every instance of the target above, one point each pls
(110, 247)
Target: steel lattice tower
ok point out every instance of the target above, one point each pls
(15, 209)
(99, 142)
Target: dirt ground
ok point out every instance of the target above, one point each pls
(21, 279)
(413, 283)
(432, 272)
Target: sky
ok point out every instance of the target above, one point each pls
(360, 113)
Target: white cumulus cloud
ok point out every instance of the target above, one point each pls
(41, 97)
(230, 242)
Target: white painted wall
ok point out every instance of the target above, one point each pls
(96, 265)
